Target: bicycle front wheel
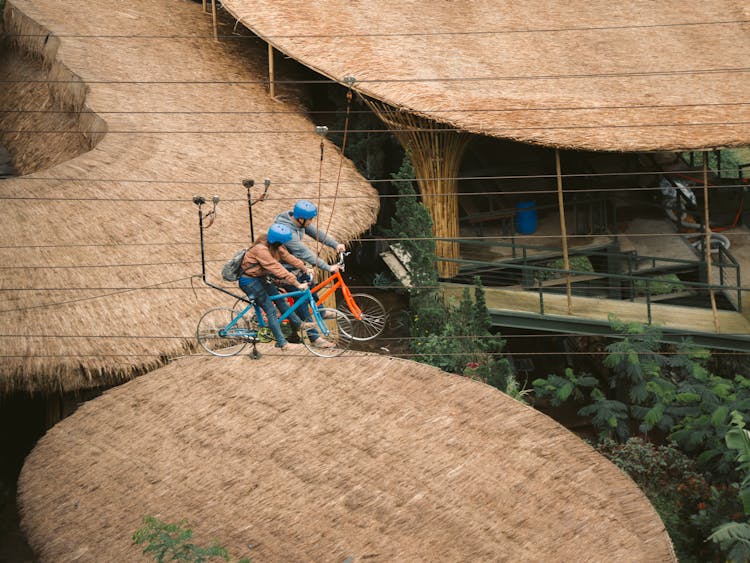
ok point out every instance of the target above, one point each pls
(339, 338)
(210, 332)
(372, 318)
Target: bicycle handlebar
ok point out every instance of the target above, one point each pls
(341, 259)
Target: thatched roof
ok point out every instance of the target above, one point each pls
(320, 460)
(99, 246)
(624, 76)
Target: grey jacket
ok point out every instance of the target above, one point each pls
(298, 248)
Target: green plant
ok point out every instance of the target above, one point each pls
(576, 263)
(672, 483)
(171, 542)
(734, 537)
(659, 285)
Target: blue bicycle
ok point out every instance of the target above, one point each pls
(226, 332)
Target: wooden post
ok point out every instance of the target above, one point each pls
(204, 7)
(563, 231)
(213, 18)
(271, 89)
(707, 244)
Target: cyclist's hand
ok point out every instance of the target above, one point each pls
(340, 248)
(302, 286)
(310, 274)
(335, 268)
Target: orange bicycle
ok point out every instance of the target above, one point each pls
(366, 313)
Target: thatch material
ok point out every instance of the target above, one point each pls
(320, 460)
(581, 74)
(98, 250)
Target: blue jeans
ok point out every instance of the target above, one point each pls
(261, 290)
(304, 310)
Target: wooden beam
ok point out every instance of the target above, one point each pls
(213, 18)
(563, 232)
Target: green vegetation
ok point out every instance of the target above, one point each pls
(577, 264)
(734, 537)
(659, 285)
(647, 391)
(171, 542)
(455, 337)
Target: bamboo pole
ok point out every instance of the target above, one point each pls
(563, 232)
(213, 18)
(204, 6)
(707, 244)
(436, 157)
(271, 85)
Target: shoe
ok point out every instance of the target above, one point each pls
(327, 314)
(323, 343)
(289, 347)
(307, 325)
(293, 338)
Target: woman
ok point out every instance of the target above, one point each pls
(263, 259)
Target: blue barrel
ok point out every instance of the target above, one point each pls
(525, 217)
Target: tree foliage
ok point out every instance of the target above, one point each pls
(171, 542)
(454, 336)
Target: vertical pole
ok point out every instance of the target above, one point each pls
(707, 245)
(204, 7)
(203, 246)
(271, 89)
(563, 231)
(213, 18)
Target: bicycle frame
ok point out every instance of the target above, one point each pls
(305, 296)
(337, 282)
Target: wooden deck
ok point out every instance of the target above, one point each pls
(685, 320)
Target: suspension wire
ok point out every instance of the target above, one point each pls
(92, 298)
(396, 33)
(366, 111)
(389, 180)
(485, 131)
(422, 80)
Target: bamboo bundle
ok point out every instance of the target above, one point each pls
(436, 157)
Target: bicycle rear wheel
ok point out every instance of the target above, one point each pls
(339, 334)
(372, 319)
(208, 332)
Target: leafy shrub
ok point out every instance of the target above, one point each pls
(734, 537)
(671, 482)
(659, 285)
(577, 264)
(171, 542)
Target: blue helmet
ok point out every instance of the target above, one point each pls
(279, 233)
(304, 209)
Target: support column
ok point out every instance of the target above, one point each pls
(271, 79)
(435, 151)
(563, 231)
(707, 243)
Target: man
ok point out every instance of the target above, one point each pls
(299, 220)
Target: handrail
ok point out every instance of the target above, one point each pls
(630, 279)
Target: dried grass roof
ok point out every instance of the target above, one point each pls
(320, 460)
(615, 76)
(98, 250)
